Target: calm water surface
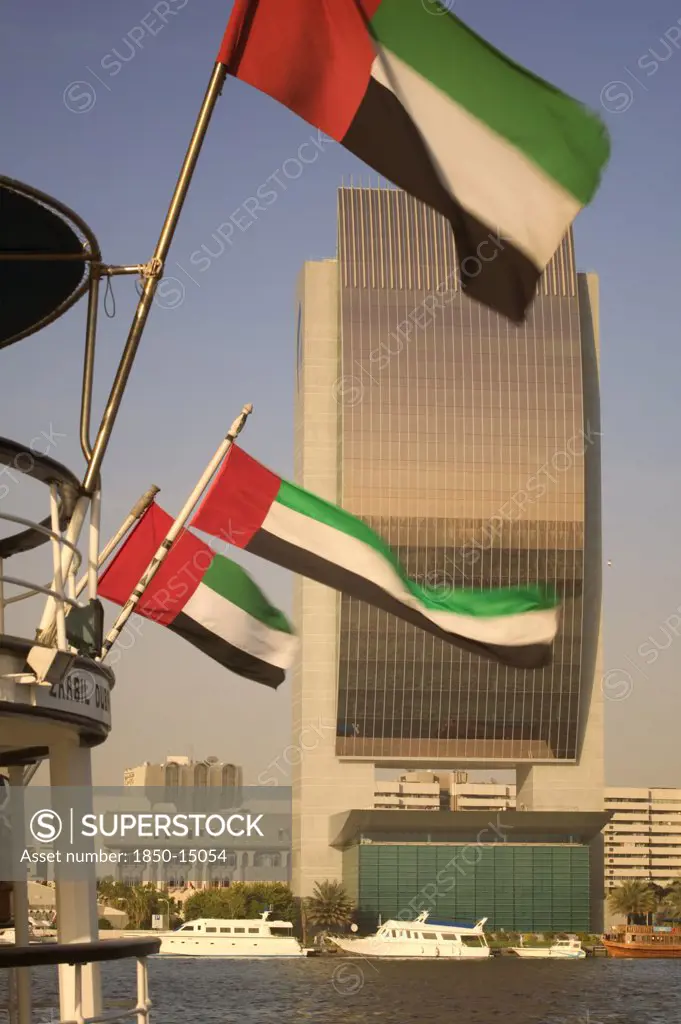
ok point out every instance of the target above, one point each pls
(335, 991)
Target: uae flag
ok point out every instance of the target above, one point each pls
(205, 598)
(504, 156)
(252, 508)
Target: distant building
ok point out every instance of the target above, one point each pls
(643, 837)
(482, 796)
(182, 784)
(414, 791)
(180, 770)
(442, 791)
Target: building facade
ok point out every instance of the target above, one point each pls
(216, 786)
(442, 791)
(472, 447)
(523, 871)
(642, 840)
(413, 791)
(643, 837)
(180, 771)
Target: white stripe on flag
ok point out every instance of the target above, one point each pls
(353, 555)
(237, 627)
(487, 175)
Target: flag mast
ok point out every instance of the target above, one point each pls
(174, 531)
(152, 273)
(135, 513)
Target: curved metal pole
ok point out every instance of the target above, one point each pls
(215, 85)
(89, 363)
(210, 99)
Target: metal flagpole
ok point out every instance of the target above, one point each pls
(152, 274)
(174, 531)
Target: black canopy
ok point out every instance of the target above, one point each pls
(35, 292)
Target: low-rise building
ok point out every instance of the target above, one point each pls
(643, 837)
(413, 791)
(180, 771)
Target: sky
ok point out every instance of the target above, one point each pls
(99, 104)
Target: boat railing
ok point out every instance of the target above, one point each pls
(646, 929)
(64, 491)
(77, 955)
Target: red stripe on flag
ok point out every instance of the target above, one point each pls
(178, 577)
(238, 500)
(314, 56)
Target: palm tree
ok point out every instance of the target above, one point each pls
(329, 906)
(672, 901)
(633, 899)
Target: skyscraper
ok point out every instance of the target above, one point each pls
(472, 447)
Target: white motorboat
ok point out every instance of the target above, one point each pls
(562, 949)
(213, 937)
(422, 938)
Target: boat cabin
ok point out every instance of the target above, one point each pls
(648, 935)
(423, 930)
(237, 928)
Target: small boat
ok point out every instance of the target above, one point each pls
(422, 938)
(37, 932)
(232, 938)
(562, 949)
(658, 942)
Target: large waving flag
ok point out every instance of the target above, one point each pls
(507, 158)
(205, 598)
(253, 508)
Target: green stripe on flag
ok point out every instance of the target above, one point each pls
(563, 137)
(231, 582)
(478, 603)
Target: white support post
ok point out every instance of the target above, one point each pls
(142, 991)
(70, 765)
(72, 535)
(93, 552)
(2, 601)
(20, 902)
(59, 572)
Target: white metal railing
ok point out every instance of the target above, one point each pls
(64, 593)
(35, 955)
(138, 1012)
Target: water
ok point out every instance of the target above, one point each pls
(345, 991)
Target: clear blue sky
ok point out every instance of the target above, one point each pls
(114, 157)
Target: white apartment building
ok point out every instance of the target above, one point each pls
(643, 838)
(440, 791)
(481, 796)
(413, 791)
